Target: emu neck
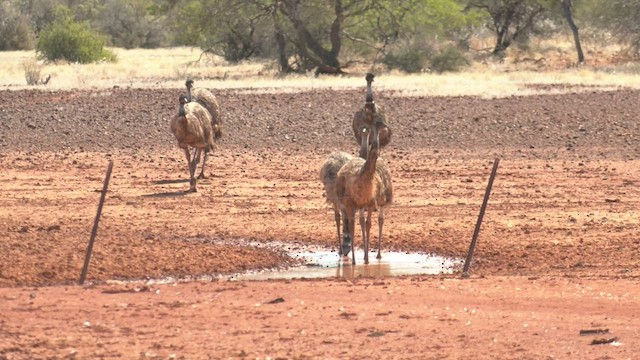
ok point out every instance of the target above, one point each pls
(369, 169)
(364, 145)
(189, 94)
(369, 97)
(181, 110)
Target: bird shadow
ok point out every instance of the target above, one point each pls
(170, 181)
(167, 194)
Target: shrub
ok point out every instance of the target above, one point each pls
(32, 71)
(15, 31)
(69, 40)
(408, 57)
(450, 59)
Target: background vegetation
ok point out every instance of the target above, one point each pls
(325, 36)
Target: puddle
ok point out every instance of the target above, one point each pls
(323, 264)
(319, 262)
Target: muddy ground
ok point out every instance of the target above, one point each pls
(558, 251)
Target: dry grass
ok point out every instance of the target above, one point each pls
(169, 68)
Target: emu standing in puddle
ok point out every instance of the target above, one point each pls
(192, 129)
(365, 184)
(328, 175)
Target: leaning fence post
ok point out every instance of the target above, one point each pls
(472, 247)
(95, 224)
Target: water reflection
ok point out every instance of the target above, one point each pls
(323, 263)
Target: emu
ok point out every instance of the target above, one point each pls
(205, 98)
(365, 185)
(192, 129)
(328, 176)
(369, 114)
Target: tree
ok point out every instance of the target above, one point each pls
(567, 6)
(15, 31)
(323, 35)
(129, 24)
(620, 19)
(233, 29)
(510, 19)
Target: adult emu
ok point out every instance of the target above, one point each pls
(365, 185)
(192, 129)
(205, 98)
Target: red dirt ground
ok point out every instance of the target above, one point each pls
(558, 251)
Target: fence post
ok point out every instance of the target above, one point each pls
(476, 232)
(95, 223)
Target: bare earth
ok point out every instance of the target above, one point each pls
(559, 249)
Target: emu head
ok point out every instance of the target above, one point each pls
(369, 77)
(189, 84)
(182, 100)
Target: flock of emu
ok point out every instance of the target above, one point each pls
(350, 183)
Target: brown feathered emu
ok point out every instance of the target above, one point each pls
(192, 129)
(369, 114)
(328, 176)
(365, 184)
(205, 98)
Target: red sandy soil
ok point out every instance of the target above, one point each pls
(558, 251)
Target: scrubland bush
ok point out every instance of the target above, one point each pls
(410, 57)
(15, 31)
(32, 71)
(450, 59)
(66, 39)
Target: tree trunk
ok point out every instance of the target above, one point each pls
(310, 49)
(283, 60)
(566, 8)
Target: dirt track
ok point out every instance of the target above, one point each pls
(558, 251)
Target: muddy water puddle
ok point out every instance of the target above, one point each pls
(322, 263)
(319, 262)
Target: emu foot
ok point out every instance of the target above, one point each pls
(346, 246)
(201, 176)
(346, 249)
(379, 256)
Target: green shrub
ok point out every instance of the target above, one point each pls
(66, 39)
(409, 57)
(451, 59)
(15, 30)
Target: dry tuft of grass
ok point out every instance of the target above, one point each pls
(168, 68)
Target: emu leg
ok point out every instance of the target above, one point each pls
(204, 160)
(347, 240)
(336, 214)
(363, 227)
(380, 224)
(190, 164)
(194, 164)
(196, 160)
(366, 239)
(351, 216)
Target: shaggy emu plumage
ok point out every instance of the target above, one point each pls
(328, 176)
(205, 98)
(369, 114)
(365, 184)
(192, 129)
